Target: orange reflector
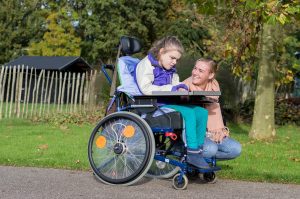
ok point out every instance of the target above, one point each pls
(101, 142)
(128, 131)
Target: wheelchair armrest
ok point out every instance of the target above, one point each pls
(142, 103)
(208, 100)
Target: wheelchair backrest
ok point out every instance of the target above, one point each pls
(127, 46)
(126, 68)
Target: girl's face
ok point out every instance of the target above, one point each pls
(168, 57)
(201, 73)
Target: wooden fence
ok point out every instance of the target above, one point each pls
(27, 92)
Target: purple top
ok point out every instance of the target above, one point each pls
(161, 76)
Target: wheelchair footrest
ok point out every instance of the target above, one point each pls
(212, 169)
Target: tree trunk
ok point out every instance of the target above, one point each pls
(263, 124)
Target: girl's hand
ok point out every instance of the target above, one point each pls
(180, 86)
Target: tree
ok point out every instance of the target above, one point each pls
(59, 40)
(263, 124)
(252, 27)
(20, 21)
(184, 21)
(102, 23)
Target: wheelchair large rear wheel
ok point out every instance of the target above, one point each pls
(121, 148)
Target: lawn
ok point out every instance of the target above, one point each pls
(25, 143)
(277, 160)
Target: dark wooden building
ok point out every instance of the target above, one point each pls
(53, 63)
(44, 77)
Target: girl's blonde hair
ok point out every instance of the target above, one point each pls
(166, 42)
(211, 62)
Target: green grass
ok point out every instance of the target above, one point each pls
(24, 143)
(37, 109)
(277, 160)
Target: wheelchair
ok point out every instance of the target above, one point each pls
(137, 138)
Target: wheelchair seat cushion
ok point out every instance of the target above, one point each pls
(171, 120)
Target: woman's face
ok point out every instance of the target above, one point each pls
(201, 73)
(168, 58)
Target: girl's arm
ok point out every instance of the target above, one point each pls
(175, 79)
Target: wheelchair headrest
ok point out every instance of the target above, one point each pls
(130, 45)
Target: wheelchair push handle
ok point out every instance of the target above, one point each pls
(104, 69)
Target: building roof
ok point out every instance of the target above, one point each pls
(60, 63)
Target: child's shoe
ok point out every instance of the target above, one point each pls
(197, 160)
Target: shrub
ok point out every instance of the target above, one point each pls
(287, 111)
(89, 117)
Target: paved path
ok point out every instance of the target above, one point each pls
(22, 182)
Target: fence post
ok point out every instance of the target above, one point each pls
(63, 91)
(50, 91)
(93, 90)
(38, 90)
(33, 92)
(68, 91)
(7, 92)
(12, 91)
(28, 93)
(59, 91)
(2, 88)
(19, 91)
(72, 93)
(16, 91)
(76, 91)
(46, 92)
(81, 92)
(25, 92)
(86, 90)
(42, 91)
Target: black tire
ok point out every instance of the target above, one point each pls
(180, 185)
(209, 177)
(121, 148)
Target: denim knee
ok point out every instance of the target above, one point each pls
(236, 149)
(210, 148)
(229, 149)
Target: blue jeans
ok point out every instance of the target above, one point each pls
(226, 150)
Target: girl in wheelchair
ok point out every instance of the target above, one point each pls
(157, 72)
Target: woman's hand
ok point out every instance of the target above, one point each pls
(182, 89)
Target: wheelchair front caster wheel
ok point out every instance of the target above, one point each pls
(180, 182)
(209, 177)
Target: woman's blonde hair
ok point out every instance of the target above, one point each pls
(166, 42)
